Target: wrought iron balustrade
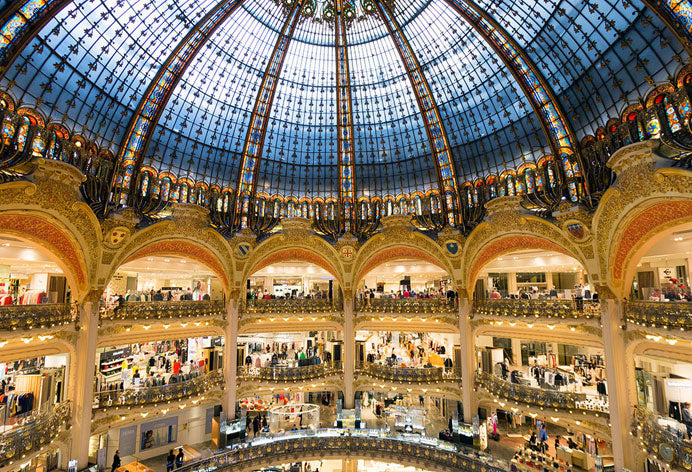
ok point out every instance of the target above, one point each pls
(23, 317)
(407, 305)
(148, 394)
(292, 446)
(667, 444)
(36, 431)
(280, 306)
(289, 374)
(666, 315)
(407, 374)
(164, 310)
(548, 308)
(540, 397)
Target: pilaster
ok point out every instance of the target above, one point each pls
(82, 379)
(230, 372)
(349, 351)
(617, 384)
(468, 352)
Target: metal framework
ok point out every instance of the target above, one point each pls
(344, 112)
(257, 129)
(434, 128)
(152, 104)
(20, 23)
(536, 89)
(677, 16)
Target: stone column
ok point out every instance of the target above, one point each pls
(617, 384)
(468, 359)
(349, 351)
(512, 282)
(82, 375)
(230, 354)
(516, 351)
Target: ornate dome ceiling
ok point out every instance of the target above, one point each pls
(401, 97)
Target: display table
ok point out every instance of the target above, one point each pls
(134, 467)
(190, 453)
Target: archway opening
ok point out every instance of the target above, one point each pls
(533, 274)
(661, 270)
(163, 278)
(30, 275)
(292, 280)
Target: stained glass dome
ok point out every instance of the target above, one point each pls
(386, 97)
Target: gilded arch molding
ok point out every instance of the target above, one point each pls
(644, 181)
(47, 234)
(509, 228)
(397, 250)
(181, 247)
(301, 247)
(185, 235)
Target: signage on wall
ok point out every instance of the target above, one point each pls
(666, 273)
(72, 465)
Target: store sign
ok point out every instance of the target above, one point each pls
(666, 273)
(72, 465)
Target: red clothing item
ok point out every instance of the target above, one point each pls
(176, 367)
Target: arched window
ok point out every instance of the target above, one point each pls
(673, 120)
(567, 166)
(418, 205)
(434, 204)
(21, 135)
(389, 208)
(529, 179)
(145, 184)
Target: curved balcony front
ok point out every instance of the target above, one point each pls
(294, 314)
(662, 443)
(149, 394)
(36, 433)
(420, 314)
(426, 453)
(163, 310)
(294, 306)
(665, 317)
(290, 374)
(570, 402)
(551, 309)
(45, 316)
(411, 375)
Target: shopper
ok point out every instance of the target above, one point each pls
(116, 461)
(179, 459)
(687, 418)
(170, 461)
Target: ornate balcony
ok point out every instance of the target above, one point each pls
(407, 374)
(427, 453)
(131, 311)
(36, 432)
(542, 398)
(662, 442)
(664, 315)
(146, 395)
(551, 308)
(24, 317)
(290, 374)
(281, 306)
(413, 306)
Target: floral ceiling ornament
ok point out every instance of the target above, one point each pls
(326, 10)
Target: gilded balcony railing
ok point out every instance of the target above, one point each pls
(281, 306)
(540, 397)
(666, 444)
(24, 317)
(407, 305)
(163, 310)
(548, 308)
(666, 315)
(36, 432)
(429, 453)
(290, 374)
(407, 374)
(145, 394)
